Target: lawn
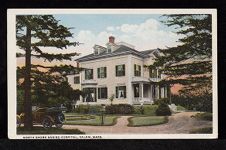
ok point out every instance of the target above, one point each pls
(147, 121)
(204, 116)
(93, 120)
(148, 109)
(202, 130)
(41, 130)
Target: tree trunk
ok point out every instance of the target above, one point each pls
(27, 80)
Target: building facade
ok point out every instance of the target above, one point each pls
(120, 71)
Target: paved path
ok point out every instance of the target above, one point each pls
(178, 123)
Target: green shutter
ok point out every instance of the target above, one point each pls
(124, 91)
(91, 74)
(123, 66)
(116, 92)
(98, 72)
(116, 71)
(106, 92)
(98, 93)
(105, 72)
(134, 69)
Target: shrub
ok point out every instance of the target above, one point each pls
(95, 109)
(204, 116)
(163, 100)
(163, 110)
(91, 109)
(119, 109)
(84, 109)
(147, 110)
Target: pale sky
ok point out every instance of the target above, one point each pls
(144, 31)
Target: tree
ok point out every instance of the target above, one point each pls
(189, 63)
(33, 32)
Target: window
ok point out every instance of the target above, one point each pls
(120, 70)
(154, 73)
(96, 52)
(89, 94)
(137, 70)
(88, 74)
(102, 93)
(76, 80)
(121, 92)
(102, 72)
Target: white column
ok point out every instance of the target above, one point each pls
(129, 89)
(141, 90)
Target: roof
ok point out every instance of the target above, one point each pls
(122, 50)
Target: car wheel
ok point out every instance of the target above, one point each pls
(59, 125)
(60, 119)
(47, 123)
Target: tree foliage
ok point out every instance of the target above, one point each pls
(33, 33)
(189, 63)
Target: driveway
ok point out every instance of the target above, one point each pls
(178, 123)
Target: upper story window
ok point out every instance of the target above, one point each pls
(102, 93)
(137, 70)
(88, 74)
(154, 73)
(120, 91)
(120, 70)
(109, 49)
(102, 72)
(76, 80)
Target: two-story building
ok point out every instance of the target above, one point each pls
(118, 69)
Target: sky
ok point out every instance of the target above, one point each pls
(144, 31)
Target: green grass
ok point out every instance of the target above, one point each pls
(204, 116)
(202, 130)
(41, 130)
(147, 120)
(93, 120)
(180, 108)
(148, 109)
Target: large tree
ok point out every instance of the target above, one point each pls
(189, 63)
(33, 32)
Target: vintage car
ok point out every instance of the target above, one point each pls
(45, 116)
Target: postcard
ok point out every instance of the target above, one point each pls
(112, 73)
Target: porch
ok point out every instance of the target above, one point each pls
(147, 93)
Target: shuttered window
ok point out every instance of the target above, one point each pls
(102, 72)
(137, 70)
(88, 74)
(102, 93)
(120, 91)
(120, 70)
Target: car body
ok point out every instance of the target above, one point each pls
(45, 116)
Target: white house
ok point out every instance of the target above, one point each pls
(119, 69)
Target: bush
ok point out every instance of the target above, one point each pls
(163, 100)
(147, 110)
(83, 109)
(91, 109)
(119, 109)
(163, 110)
(204, 116)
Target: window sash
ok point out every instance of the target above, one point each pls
(102, 72)
(137, 70)
(88, 74)
(120, 91)
(76, 80)
(120, 70)
(102, 93)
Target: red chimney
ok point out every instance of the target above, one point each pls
(111, 39)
